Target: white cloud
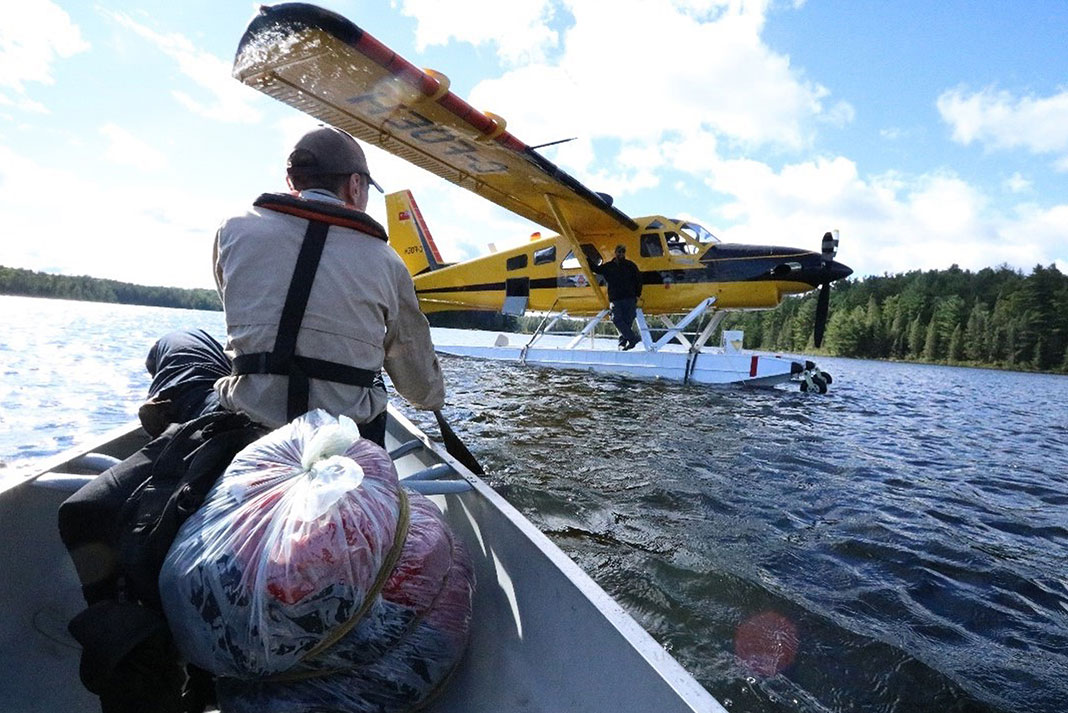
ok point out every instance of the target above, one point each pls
(25, 104)
(161, 237)
(1017, 184)
(642, 71)
(889, 223)
(519, 30)
(126, 149)
(228, 100)
(999, 120)
(839, 115)
(33, 35)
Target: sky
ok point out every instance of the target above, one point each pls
(929, 134)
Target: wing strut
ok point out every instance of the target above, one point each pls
(576, 249)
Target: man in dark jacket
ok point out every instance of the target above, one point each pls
(624, 288)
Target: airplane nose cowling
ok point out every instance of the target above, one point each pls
(836, 271)
(819, 272)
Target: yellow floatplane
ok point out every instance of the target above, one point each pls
(324, 65)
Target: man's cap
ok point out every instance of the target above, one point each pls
(328, 150)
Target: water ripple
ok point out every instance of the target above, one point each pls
(906, 524)
(897, 545)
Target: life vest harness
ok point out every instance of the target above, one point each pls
(283, 359)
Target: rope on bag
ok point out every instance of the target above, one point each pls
(384, 572)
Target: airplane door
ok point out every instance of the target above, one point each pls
(516, 296)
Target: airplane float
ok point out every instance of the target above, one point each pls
(322, 64)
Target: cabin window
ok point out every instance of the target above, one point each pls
(678, 246)
(545, 255)
(570, 262)
(517, 262)
(651, 246)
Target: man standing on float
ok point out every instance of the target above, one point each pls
(624, 288)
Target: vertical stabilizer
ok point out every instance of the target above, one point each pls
(409, 235)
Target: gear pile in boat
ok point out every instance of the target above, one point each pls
(311, 579)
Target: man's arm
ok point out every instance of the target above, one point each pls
(410, 360)
(215, 263)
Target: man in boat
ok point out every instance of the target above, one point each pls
(316, 303)
(624, 288)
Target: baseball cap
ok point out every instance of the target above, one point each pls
(328, 150)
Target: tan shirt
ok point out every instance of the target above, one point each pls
(362, 312)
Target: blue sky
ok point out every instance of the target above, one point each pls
(928, 133)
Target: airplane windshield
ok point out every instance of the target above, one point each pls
(698, 233)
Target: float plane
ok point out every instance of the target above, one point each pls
(323, 64)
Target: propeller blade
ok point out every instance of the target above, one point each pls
(822, 307)
(829, 246)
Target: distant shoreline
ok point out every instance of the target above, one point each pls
(28, 283)
(996, 318)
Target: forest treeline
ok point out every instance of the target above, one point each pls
(995, 317)
(16, 281)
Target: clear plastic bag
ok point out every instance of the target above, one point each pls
(400, 654)
(309, 578)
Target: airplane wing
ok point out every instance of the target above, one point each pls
(324, 65)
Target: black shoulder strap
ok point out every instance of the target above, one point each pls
(285, 343)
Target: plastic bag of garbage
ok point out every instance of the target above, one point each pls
(310, 578)
(400, 654)
(286, 548)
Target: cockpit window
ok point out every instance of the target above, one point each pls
(678, 246)
(650, 246)
(698, 233)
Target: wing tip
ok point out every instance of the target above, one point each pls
(290, 17)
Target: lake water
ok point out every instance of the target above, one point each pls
(900, 543)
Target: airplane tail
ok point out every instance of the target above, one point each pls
(409, 235)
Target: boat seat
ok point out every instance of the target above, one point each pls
(428, 481)
(66, 482)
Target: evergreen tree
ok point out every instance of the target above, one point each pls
(932, 347)
(917, 332)
(976, 335)
(956, 345)
(874, 336)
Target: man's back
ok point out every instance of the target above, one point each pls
(361, 312)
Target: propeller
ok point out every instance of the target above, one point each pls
(829, 250)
